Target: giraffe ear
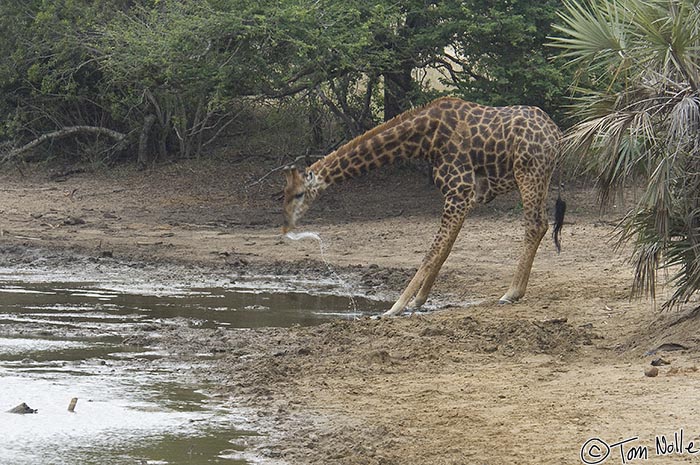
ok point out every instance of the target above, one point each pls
(291, 173)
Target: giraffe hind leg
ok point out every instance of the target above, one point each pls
(534, 197)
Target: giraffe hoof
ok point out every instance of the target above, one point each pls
(505, 301)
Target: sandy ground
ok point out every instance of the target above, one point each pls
(528, 383)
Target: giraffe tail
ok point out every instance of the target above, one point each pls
(559, 211)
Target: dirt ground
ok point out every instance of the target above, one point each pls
(479, 383)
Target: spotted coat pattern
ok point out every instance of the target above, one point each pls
(476, 153)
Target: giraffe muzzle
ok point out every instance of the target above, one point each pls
(288, 226)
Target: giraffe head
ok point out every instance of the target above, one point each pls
(300, 191)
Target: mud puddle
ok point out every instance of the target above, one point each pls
(93, 334)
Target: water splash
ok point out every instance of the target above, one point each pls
(303, 235)
(322, 247)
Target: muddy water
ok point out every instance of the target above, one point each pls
(80, 332)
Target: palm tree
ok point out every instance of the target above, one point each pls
(638, 111)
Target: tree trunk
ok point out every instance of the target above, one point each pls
(398, 87)
(398, 82)
(316, 123)
(143, 158)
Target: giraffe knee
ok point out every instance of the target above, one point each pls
(537, 228)
(536, 234)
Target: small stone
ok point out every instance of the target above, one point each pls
(73, 221)
(380, 356)
(490, 348)
(651, 372)
(23, 409)
(304, 351)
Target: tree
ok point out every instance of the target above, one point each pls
(177, 63)
(48, 79)
(492, 52)
(168, 73)
(122, 66)
(638, 66)
(504, 60)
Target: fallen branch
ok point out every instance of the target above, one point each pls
(67, 131)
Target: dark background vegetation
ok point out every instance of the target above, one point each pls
(171, 78)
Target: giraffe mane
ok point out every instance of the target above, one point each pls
(354, 143)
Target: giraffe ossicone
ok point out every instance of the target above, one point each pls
(476, 152)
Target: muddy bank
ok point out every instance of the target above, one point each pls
(528, 383)
(441, 388)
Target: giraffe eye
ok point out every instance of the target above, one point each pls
(299, 195)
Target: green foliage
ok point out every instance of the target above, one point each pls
(45, 75)
(181, 61)
(506, 62)
(492, 52)
(50, 77)
(114, 63)
(638, 103)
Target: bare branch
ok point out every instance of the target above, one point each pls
(335, 110)
(64, 132)
(447, 66)
(279, 168)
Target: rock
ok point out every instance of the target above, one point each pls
(379, 356)
(304, 351)
(651, 372)
(73, 221)
(23, 409)
(490, 348)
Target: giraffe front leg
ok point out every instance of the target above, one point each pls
(452, 219)
(406, 295)
(422, 295)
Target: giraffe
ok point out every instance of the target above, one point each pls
(476, 153)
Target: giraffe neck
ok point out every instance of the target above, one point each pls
(404, 137)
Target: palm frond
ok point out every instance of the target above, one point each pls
(590, 34)
(683, 122)
(639, 116)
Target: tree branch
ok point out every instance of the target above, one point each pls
(64, 132)
(336, 111)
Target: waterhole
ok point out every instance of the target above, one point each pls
(65, 332)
